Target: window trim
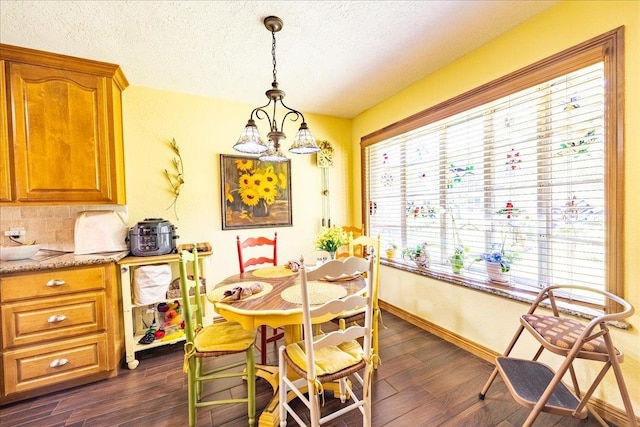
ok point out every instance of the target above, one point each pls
(607, 47)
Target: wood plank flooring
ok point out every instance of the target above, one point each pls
(423, 381)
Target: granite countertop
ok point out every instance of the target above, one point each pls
(46, 259)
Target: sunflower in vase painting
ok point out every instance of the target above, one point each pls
(255, 191)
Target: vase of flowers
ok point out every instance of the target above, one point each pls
(418, 254)
(330, 239)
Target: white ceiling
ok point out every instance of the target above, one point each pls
(333, 57)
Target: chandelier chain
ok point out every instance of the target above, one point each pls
(273, 54)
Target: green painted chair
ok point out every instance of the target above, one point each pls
(218, 339)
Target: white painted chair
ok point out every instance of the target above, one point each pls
(333, 356)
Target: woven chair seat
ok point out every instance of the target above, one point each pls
(562, 333)
(328, 377)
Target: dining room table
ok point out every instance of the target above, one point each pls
(277, 304)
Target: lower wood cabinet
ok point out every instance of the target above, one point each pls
(60, 328)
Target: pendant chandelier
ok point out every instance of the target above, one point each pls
(250, 141)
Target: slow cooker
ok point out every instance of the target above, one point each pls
(153, 236)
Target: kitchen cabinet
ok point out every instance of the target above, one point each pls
(64, 133)
(60, 328)
(134, 315)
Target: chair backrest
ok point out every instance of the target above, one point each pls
(336, 268)
(191, 305)
(258, 260)
(352, 231)
(370, 247)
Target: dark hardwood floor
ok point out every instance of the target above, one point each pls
(423, 381)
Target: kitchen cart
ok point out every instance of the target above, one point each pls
(133, 314)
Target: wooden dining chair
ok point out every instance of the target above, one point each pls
(328, 357)
(540, 388)
(267, 334)
(352, 231)
(212, 341)
(370, 246)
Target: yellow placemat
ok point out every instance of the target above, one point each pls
(217, 294)
(275, 271)
(319, 293)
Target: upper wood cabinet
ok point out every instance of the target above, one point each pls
(62, 129)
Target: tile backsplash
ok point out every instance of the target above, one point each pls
(49, 225)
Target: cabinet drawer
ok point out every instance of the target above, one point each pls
(52, 318)
(39, 366)
(51, 283)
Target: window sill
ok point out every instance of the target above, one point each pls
(520, 294)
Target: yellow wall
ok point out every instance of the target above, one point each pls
(481, 317)
(204, 128)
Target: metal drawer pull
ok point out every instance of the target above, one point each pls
(55, 282)
(56, 318)
(58, 362)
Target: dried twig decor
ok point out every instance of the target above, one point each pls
(176, 178)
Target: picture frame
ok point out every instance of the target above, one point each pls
(255, 193)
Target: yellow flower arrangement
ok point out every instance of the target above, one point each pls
(330, 239)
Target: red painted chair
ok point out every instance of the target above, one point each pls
(266, 337)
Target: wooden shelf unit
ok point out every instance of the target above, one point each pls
(132, 331)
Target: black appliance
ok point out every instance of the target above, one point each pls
(153, 236)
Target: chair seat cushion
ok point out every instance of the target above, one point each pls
(328, 360)
(563, 332)
(224, 336)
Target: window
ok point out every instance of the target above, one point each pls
(528, 166)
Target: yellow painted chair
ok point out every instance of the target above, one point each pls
(352, 232)
(328, 357)
(371, 247)
(218, 339)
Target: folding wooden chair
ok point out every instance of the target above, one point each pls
(537, 386)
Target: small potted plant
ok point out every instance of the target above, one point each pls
(457, 259)
(391, 250)
(418, 254)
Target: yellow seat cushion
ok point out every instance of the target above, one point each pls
(226, 336)
(328, 360)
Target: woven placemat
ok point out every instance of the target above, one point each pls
(319, 293)
(217, 294)
(271, 272)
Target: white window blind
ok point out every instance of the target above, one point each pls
(524, 174)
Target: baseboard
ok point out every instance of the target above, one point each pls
(609, 413)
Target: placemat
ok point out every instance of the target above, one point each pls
(319, 293)
(275, 271)
(217, 294)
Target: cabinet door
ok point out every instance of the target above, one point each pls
(5, 159)
(62, 142)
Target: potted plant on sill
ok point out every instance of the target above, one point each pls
(497, 264)
(418, 254)
(457, 259)
(391, 250)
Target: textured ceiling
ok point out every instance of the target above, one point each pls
(333, 57)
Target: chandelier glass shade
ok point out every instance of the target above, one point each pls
(250, 141)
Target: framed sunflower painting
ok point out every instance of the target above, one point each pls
(255, 193)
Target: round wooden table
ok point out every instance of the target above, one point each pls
(272, 310)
